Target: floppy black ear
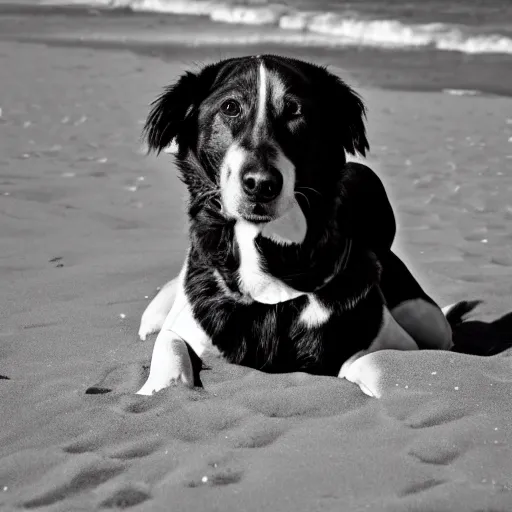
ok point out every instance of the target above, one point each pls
(352, 115)
(167, 118)
(345, 113)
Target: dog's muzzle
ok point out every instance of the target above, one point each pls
(261, 185)
(256, 187)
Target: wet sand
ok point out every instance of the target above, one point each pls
(90, 227)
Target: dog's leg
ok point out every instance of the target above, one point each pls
(390, 336)
(374, 223)
(157, 310)
(411, 307)
(171, 362)
(425, 322)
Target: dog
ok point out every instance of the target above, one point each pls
(257, 138)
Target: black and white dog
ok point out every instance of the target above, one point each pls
(257, 138)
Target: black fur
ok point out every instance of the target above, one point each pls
(269, 338)
(349, 220)
(346, 258)
(171, 111)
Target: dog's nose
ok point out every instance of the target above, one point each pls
(261, 185)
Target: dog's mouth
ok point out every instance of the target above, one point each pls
(258, 213)
(257, 219)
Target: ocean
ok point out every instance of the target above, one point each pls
(469, 26)
(461, 47)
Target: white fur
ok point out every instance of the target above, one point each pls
(261, 113)
(230, 182)
(291, 227)
(253, 280)
(390, 336)
(172, 148)
(287, 169)
(446, 310)
(155, 314)
(170, 362)
(314, 314)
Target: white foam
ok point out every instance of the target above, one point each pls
(190, 7)
(462, 92)
(242, 15)
(477, 44)
(297, 20)
(389, 33)
(303, 28)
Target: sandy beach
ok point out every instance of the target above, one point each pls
(90, 227)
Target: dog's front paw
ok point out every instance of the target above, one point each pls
(157, 383)
(170, 364)
(356, 370)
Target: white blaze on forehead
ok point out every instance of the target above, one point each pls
(261, 112)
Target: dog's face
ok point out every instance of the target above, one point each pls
(254, 133)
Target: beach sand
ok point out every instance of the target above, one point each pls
(90, 227)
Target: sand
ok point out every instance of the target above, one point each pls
(89, 228)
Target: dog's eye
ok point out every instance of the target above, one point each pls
(292, 108)
(231, 108)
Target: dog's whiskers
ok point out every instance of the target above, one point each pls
(304, 196)
(312, 190)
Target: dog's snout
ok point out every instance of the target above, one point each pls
(262, 185)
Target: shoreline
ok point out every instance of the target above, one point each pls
(166, 36)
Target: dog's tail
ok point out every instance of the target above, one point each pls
(458, 312)
(477, 337)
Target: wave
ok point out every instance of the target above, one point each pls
(462, 92)
(333, 29)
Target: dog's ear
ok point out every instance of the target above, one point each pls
(345, 113)
(169, 113)
(351, 112)
(354, 116)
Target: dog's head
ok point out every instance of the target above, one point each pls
(254, 133)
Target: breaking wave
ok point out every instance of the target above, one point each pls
(334, 29)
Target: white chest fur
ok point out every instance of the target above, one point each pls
(253, 280)
(315, 313)
(262, 287)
